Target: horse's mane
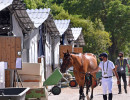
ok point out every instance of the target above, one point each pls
(74, 53)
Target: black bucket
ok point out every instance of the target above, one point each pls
(13, 93)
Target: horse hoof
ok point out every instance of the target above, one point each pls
(91, 98)
(82, 97)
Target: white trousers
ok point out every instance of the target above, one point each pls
(107, 85)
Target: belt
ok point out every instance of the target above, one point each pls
(108, 77)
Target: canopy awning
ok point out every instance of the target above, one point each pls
(76, 32)
(40, 16)
(5, 3)
(62, 25)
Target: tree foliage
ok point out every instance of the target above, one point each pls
(115, 17)
(96, 38)
(33, 4)
(118, 24)
(105, 23)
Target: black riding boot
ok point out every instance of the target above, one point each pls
(119, 88)
(105, 97)
(125, 87)
(110, 96)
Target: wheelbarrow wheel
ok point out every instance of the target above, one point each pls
(56, 90)
(73, 83)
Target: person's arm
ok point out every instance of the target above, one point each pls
(116, 67)
(96, 70)
(129, 79)
(128, 73)
(118, 81)
(128, 67)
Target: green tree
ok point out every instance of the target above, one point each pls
(118, 24)
(115, 17)
(97, 42)
(96, 38)
(33, 4)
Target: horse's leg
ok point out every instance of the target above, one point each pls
(93, 85)
(91, 97)
(87, 90)
(81, 81)
(88, 81)
(81, 93)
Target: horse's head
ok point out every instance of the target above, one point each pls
(67, 62)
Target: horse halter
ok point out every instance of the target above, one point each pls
(67, 59)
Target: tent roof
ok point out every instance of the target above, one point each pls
(38, 16)
(76, 32)
(5, 3)
(62, 25)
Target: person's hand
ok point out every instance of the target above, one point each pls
(118, 82)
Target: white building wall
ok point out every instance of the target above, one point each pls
(72, 43)
(33, 47)
(56, 51)
(2, 74)
(48, 55)
(48, 49)
(65, 40)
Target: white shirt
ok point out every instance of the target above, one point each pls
(107, 71)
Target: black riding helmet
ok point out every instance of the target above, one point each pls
(100, 57)
(103, 55)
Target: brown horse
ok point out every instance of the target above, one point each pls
(82, 64)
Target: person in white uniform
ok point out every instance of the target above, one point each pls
(107, 67)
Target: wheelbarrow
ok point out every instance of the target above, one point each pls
(53, 80)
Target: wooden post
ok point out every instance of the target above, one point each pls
(64, 48)
(78, 49)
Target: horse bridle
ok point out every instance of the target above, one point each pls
(68, 60)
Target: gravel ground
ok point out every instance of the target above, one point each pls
(73, 93)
